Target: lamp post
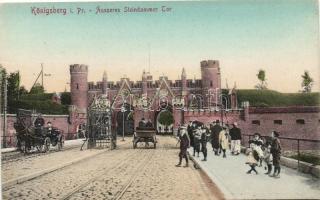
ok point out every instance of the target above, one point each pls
(123, 110)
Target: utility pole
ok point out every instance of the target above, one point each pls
(1, 98)
(5, 113)
(42, 75)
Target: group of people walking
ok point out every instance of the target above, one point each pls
(222, 138)
(268, 151)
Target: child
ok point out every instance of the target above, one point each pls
(257, 143)
(252, 160)
(268, 157)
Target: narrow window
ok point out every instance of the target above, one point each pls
(277, 122)
(256, 122)
(77, 86)
(211, 84)
(300, 121)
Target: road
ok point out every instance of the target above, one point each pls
(124, 173)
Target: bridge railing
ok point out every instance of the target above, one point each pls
(301, 149)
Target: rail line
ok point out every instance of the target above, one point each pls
(105, 170)
(137, 172)
(36, 175)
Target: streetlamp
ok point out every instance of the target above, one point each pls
(123, 110)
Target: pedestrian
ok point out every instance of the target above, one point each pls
(184, 145)
(223, 141)
(197, 139)
(215, 130)
(268, 157)
(276, 153)
(190, 129)
(204, 140)
(252, 159)
(257, 143)
(235, 135)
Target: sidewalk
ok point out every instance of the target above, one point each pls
(229, 174)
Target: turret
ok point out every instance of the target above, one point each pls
(104, 83)
(211, 78)
(79, 87)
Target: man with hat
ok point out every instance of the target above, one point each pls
(184, 145)
(276, 153)
(215, 130)
(235, 134)
(204, 143)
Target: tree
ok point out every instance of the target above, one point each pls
(37, 89)
(166, 118)
(263, 81)
(13, 85)
(307, 82)
(23, 91)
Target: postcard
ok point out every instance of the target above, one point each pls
(160, 100)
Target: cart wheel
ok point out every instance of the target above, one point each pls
(134, 145)
(47, 144)
(23, 146)
(60, 143)
(39, 147)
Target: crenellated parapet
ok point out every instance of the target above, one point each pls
(78, 68)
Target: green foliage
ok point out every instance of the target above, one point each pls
(166, 118)
(23, 91)
(37, 89)
(262, 78)
(307, 82)
(307, 158)
(46, 107)
(66, 98)
(37, 97)
(269, 98)
(13, 85)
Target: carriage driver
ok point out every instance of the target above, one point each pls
(39, 122)
(49, 126)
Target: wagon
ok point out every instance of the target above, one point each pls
(144, 135)
(30, 137)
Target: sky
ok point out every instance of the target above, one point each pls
(281, 37)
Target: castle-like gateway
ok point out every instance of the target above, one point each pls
(186, 99)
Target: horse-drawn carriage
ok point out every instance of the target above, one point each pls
(144, 133)
(31, 137)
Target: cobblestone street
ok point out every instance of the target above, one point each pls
(125, 173)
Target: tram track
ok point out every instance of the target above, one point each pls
(105, 170)
(35, 175)
(141, 167)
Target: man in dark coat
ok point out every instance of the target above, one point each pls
(197, 141)
(235, 134)
(191, 130)
(39, 122)
(184, 145)
(276, 154)
(215, 130)
(204, 143)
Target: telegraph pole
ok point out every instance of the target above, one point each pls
(1, 97)
(5, 112)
